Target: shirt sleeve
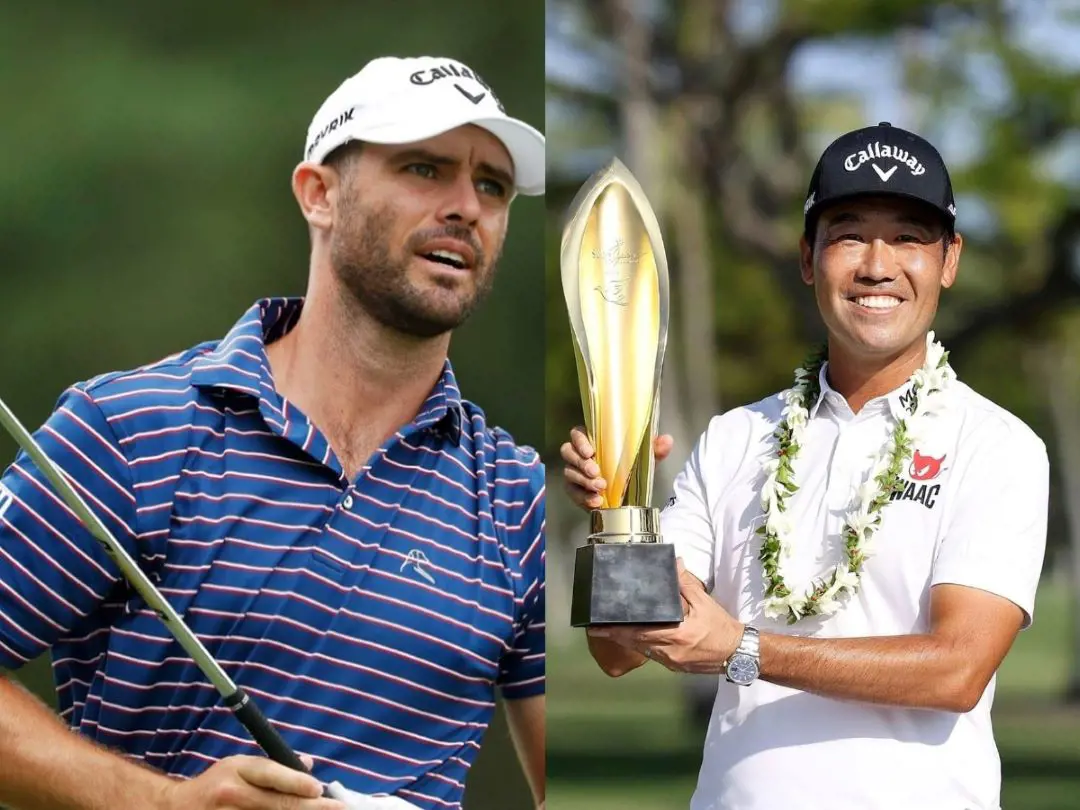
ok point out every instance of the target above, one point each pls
(52, 571)
(522, 668)
(686, 521)
(995, 537)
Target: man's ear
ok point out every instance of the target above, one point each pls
(806, 261)
(952, 261)
(316, 188)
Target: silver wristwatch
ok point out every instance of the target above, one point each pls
(744, 667)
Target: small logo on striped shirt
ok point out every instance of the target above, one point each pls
(416, 560)
(6, 499)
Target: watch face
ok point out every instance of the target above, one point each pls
(743, 669)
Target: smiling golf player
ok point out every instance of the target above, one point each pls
(862, 549)
(344, 532)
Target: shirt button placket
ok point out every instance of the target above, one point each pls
(841, 474)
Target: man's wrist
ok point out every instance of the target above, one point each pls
(743, 666)
(166, 793)
(736, 639)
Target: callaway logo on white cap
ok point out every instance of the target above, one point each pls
(394, 101)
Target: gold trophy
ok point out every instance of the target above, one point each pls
(615, 280)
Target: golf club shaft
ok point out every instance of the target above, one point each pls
(245, 709)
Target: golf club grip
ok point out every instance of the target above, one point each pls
(263, 733)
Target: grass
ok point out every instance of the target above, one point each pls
(630, 742)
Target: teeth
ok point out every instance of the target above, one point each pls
(877, 301)
(449, 255)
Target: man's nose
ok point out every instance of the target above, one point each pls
(879, 263)
(462, 202)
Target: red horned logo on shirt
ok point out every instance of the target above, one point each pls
(924, 468)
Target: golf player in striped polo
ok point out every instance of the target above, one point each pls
(345, 533)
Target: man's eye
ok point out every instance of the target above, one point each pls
(422, 169)
(492, 187)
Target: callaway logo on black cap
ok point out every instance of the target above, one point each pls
(880, 160)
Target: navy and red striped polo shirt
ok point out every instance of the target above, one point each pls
(373, 620)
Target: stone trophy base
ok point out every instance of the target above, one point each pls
(625, 575)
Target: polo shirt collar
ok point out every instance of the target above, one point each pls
(898, 402)
(443, 408)
(239, 363)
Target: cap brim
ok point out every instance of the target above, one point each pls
(816, 209)
(525, 144)
(527, 148)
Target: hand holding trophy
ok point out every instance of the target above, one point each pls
(615, 281)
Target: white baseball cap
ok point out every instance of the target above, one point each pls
(394, 100)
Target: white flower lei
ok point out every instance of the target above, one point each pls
(823, 596)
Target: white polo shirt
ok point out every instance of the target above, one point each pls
(973, 512)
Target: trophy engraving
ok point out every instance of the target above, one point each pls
(615, 281)
(615, 287)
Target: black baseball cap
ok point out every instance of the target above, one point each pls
(880, 160)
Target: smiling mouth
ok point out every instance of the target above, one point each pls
(448, 258)
(883, 302)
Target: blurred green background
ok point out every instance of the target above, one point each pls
(721, 108)
(145, 200)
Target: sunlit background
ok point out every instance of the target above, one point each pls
(145, 199)
(721, 108)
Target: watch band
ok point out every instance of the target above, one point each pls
(751, 642)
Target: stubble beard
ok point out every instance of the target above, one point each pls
(377, 280)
